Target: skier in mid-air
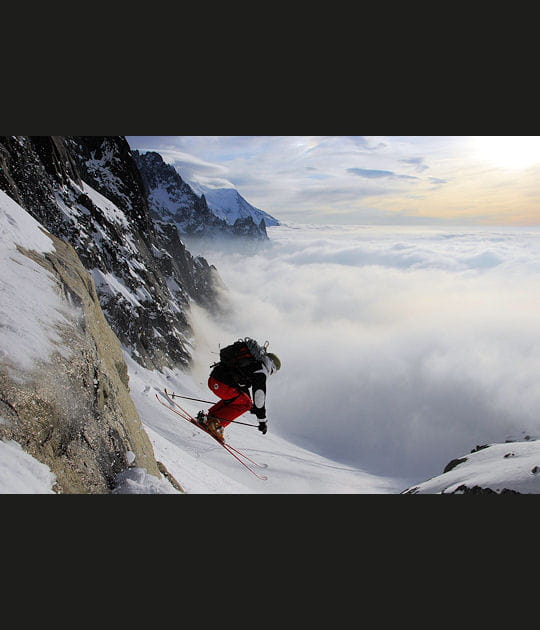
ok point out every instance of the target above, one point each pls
(243, 365)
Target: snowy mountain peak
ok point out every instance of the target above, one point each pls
(229, 205)
(171, 199)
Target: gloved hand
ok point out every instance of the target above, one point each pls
(262, 426)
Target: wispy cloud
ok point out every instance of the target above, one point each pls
(438, 181)
(417, 162)
(377, 173)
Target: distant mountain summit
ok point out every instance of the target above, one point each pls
(229, 205)
(173, 200)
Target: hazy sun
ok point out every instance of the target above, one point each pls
(512, 152)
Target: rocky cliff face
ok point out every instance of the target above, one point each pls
(70, 407)
(88, 191)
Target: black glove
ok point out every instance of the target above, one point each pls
(262, 426)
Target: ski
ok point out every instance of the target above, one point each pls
(170, 396)
(249, 459)
(230, 449)
(187, 416)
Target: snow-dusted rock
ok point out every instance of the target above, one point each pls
(229, 205)
(173, 200)
(88, 191)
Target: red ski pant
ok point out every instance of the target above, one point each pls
(233, 402)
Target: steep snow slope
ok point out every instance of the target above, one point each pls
(20, 473)
(202, 466)
(29, 307)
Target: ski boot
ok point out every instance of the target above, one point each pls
(201, 419)
(212, 425)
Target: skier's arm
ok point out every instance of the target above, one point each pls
(259, 395)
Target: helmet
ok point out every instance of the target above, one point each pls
(275, 360)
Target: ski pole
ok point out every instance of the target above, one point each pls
(210, 403)
(189, 398)
(246, 423)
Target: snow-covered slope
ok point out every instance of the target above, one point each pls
(202, 466)
(198, 463)
(492, 468)
(29, 307)
(228, 204)
(20, 473)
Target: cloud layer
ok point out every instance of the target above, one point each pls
(401, 349)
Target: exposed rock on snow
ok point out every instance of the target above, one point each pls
(506, 468)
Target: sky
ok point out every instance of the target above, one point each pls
(355, 180)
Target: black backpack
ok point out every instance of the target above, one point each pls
(241, 355)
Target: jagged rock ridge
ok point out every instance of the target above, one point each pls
(171, 199)
(88, 191)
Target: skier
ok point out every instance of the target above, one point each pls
(243, 365)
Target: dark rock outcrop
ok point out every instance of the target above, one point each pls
(88, 191)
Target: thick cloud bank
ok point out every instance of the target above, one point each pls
(401, 348)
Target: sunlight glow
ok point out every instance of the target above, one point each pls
(511, 152)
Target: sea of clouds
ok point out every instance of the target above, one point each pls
(402, 348)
